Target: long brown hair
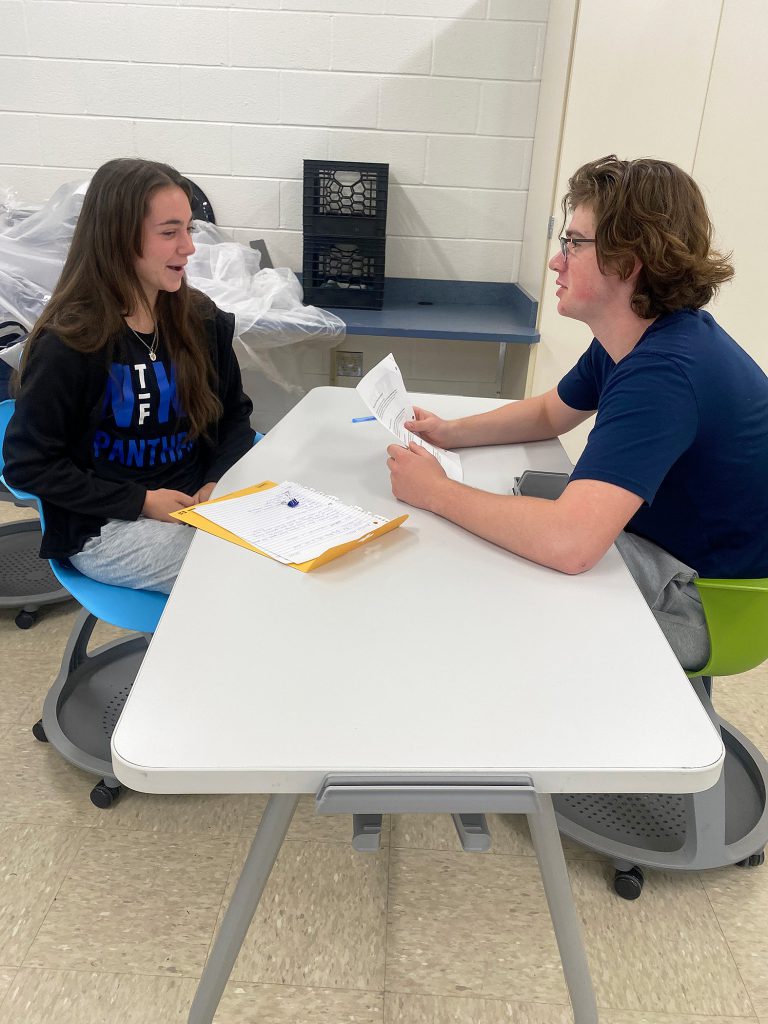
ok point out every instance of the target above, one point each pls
(99, 284)
(653, 211)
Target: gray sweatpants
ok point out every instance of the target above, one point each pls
(668, 588)
(144, 555)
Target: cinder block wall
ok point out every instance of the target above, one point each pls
(236, 94)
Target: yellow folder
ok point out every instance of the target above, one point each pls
(190, 516)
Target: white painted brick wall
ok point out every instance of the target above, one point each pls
(13, 37)
(270, 152)
(291, 208)
(245, 200)
(387, 45)
(404, 152)
(486, 49)
(477, 162)
(77, 30)
(240, 95)
(329, 99)
(84, 142)
(429, 105)
(206, 147)
(237, 93)
(21, 136)
(508, 109)
(280, 40)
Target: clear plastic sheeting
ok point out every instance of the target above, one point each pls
(33, 250)
(267, 300)
(266, 303)
(10, 210)
(267, 308)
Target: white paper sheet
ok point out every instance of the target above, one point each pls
(383, 391)
(291, 533)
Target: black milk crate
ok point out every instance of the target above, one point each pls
(344, 272)
(346, 198)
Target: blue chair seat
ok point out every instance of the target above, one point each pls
(85, 700)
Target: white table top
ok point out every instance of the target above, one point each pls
(427, 651)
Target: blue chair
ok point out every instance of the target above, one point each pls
(84, 703)
(26, 582)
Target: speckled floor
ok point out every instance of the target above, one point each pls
(106, 917)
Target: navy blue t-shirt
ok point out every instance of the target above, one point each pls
(682, 422)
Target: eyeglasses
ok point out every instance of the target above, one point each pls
(572, 245)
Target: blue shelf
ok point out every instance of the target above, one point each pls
(456, 310)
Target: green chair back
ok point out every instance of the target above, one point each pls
(737, 619)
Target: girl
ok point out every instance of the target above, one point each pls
(130, 403)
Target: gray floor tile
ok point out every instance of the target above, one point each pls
(31, 659)
(641, 1017)
(10, 512)
(321, 921)
(468, 925)
(509, 833)
(664, 952)
(82, 997)
(412, 1009)
(34, 860)
(37, 784)
(136, 902)
(7, 974)
(742, 701)
(148, 812)
(739, 898)
(283, 1004)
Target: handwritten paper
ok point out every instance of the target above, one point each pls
(291, 523)
(383, 391)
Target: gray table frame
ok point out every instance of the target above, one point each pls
(375, 794)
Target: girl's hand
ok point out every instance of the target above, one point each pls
(204, 493)
(160, 503)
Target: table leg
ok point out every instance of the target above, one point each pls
(557, 888)
(500, 369)
(269, 837)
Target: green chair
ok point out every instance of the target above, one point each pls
(727, 824)
(737, 620)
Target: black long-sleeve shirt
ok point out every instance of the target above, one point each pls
(90, 437)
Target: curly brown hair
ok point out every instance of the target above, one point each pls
(652, 211)
(99, 285)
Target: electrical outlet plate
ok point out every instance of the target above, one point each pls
(349, 364)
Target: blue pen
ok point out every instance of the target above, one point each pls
(362, 419)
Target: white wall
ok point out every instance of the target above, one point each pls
(664, 78)
(730, 164)
(237, 94)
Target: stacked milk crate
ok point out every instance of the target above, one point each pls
(345, 221)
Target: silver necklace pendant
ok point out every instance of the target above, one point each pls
(150, 348)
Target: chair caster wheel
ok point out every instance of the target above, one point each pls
(753, 861)
(25, 620)
(628, 884)
(39, 732)
(104, 796)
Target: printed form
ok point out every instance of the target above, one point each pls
(291, 523)
(383, 391)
